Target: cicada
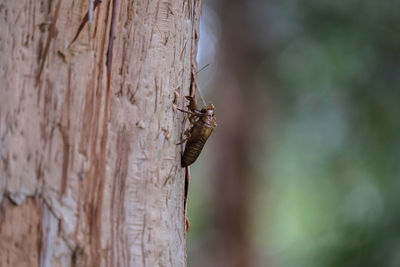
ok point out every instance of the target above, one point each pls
(202, 123)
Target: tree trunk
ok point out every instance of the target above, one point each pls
(89, 167)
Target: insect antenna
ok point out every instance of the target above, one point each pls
(201, 94)
(205, 66)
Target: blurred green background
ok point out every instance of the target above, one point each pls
(304, 166)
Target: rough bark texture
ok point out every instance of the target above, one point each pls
(89, 167)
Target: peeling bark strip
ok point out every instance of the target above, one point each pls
(111, 38)
(119, 254)
(96, 177)
(84, 21)
(88, 131)
(50, 36)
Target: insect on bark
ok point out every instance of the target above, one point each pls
(202, 123)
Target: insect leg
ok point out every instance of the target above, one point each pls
(185, 111)
(187, 134)
(192, 103)
(183, 141)
(195, 113)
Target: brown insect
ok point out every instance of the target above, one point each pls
(202, 123)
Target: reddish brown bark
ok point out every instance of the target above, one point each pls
(88, 131)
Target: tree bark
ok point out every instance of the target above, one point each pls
(89, 167)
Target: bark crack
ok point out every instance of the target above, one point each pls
(50, 36)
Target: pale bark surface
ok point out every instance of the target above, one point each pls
(89, 167)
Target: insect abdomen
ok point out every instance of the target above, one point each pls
(192, 151)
